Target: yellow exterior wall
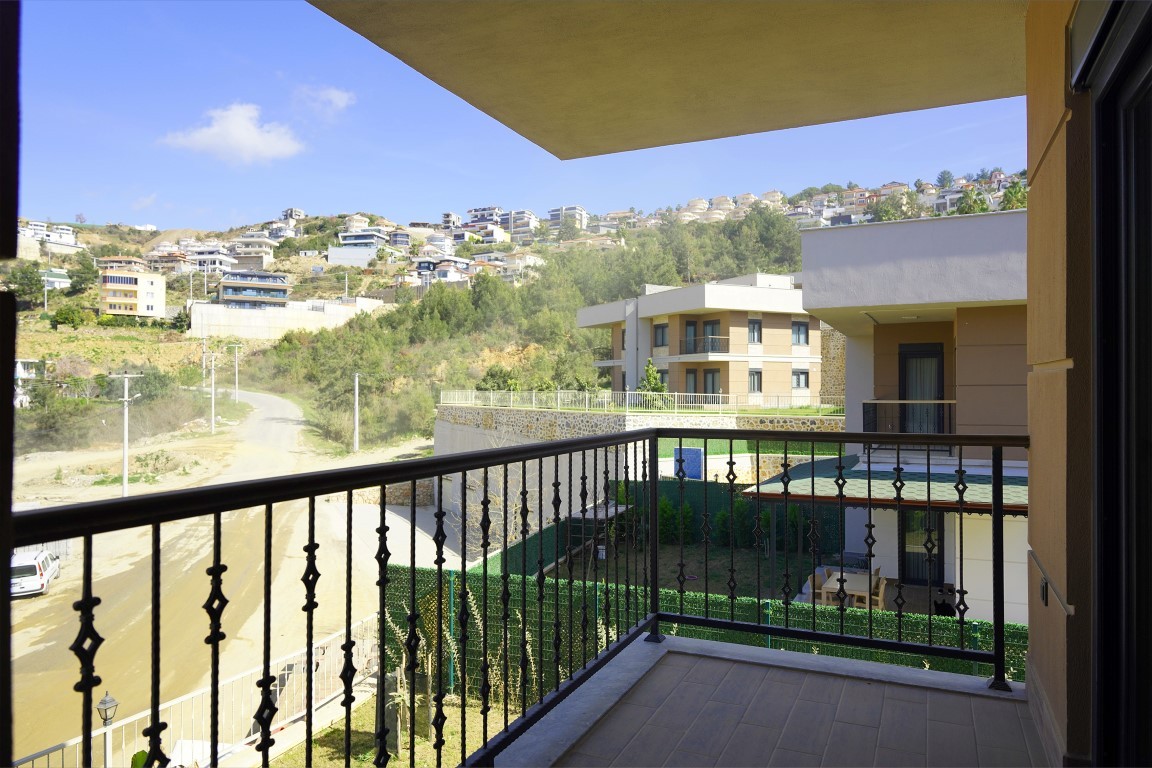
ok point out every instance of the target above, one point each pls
(1059, 685)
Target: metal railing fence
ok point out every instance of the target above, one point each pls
(656, 402)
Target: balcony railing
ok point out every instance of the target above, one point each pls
(603, 353)
(703, 344)
(503, 579)
(655, 402)
(911, 417)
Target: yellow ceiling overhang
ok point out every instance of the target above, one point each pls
(590, 77)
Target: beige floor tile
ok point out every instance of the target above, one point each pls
(708, 671)
(947, 707)
(688, 760)
(649, 747)
(850, 745)
(791, 759)
(739, 686)
(1035, 746)
(654, 687)
(906, 693)
(861, 702)
(808, 727)
(582, 760)
(825, 689)
(997, 724)
(904, 726)
(750, 745)
(709, 733)
(674, 659)
(998, 757)
(891, 758)
(951, 744)
(772, 704)
(613, 731)
(786, 675)
(680, 709)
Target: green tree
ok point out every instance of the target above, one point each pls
(25, 281)
(542, 233)
(498, 379)
(83, 275)
(69, 314)
(972, 201)
(944, 179)
(650, 382)
(182, 321)
(1015, 197)
(568, 229)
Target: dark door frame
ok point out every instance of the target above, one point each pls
(925, 350)
(1112, 61)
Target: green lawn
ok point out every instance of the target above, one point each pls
(720, 447)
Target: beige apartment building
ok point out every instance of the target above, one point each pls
(132, 293)
(747, 337)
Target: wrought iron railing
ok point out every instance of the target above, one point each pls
(502, 579)
(600, 354)
(910, 417)
(702, 344)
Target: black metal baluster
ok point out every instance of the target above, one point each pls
(758, 542)
(629, 534)
(706, 530)
(785, 482)
(596, 549)
(652, 538)
(266, 710)
(615, 538)
(929, 542)
(814, 534)
(462, 617)
(85, 646)
(870, 538)
(214, 606)
(382, 581)
(310, 577)
(999, 681)
(731, 478)
(348, 670)
(961, 486)
(156, 727)
(440, 537)
(485, 667)
(505, 600)
(584, 558)
(540, 578)
(681, 576)
(556, 501)
(412, 641)
(840, 483)
(524, 531)
(568, 562)
(608, 602)
(898, 485)
(646, 535)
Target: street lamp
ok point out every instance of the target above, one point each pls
(107, 710)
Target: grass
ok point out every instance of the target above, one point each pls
(743, 559)
(328, 745)
(720, 447)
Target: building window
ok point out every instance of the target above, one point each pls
(711, 381)
(690, 381)
(799, 379)
(660, 335)
(755, 382)
(754, 331)
(800, 333)
(663, 377)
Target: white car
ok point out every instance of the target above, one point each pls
(33, 572)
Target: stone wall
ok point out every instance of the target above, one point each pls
(831, 362)
(468, 428)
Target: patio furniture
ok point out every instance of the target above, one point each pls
(856, 587)
(877, 600)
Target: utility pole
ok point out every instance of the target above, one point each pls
(213, 393)
(45, 296)
(356, 413)
(124, 468)
(236, 371)
(203, 359)
(345, 285)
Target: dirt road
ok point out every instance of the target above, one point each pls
(267, 444)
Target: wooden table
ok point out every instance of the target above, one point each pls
(856, 586)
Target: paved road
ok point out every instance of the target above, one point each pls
(47, 711)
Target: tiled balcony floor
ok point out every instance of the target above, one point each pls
(769, 708)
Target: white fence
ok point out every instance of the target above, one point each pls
(668, 402)
(187, 738)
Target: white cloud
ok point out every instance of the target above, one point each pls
(147, 201)
(235, 135)
(326, 101)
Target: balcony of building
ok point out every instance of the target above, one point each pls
(477, 594)
(703, 345)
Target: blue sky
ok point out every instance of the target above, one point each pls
(214, 114)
